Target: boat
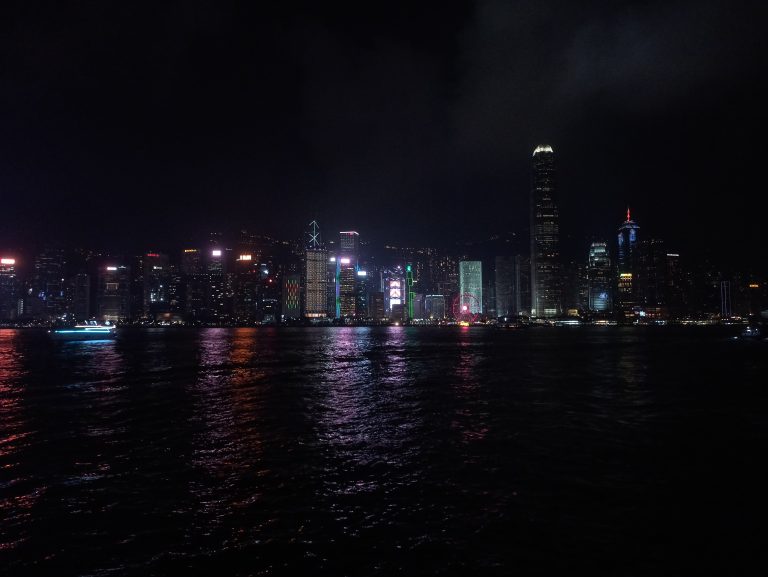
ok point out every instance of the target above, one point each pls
(751, 332)
(89, 331)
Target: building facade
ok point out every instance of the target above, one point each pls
(471, 286)
(546, 281)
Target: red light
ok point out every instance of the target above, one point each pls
(154, 254)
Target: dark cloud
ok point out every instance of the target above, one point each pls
(410, 121)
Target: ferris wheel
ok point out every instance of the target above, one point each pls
(466, 308)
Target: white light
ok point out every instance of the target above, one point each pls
(542, 148)
(362, 273)
(345, 261)
(332, 259)
(8, 261)
(111, 268)
(216, 252)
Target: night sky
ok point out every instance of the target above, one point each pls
(134, 125)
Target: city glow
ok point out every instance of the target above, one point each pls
(754, 285)
(245, 257)
(8, 261)
(188, 250)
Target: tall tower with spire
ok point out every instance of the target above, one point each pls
(315, 274)
(546, 281)
(628, 265)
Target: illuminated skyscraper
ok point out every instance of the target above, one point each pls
(408, 312)
(215, 285)
(315, 275)
(113, 295)
(156, 281)
(599, 278)
(8, 289)
(193, 281)
(471, 286)
(291, 297)
(349, 245)
(346, 276)
(49, 284)
(628, 265)
(434, 307)
(546, 282)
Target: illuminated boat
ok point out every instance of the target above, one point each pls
(90, 331)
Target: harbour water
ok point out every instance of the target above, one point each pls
(384, 451)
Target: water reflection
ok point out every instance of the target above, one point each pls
(17, 497)
(227, 443)
(471, 414)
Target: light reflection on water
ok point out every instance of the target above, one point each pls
(361, 450)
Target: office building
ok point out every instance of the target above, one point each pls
(471, 287)
(599, 279)
(315, 275)
(546, 281)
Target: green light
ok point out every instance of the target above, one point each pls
(408, 268)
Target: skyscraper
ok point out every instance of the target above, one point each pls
(291, 297)
(49, 284)
(627, 265)
(113, 296)
(349, 244)
(471, 286)
(599, 278)
(504, 284)
(8, 289)
(315, 274)
(546, 284)
(156, 285)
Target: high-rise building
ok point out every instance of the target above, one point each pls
(599, 278)
(504, 285)
(408, 312)
(471, 286)
(376, 305)
(291, 297)
(246, 282)
(9, 289)
(315, 275)
(434, 307)
(346, 273)
(49, 284)
(156, 285)
(113, 294)
(652, 285)
(215, 284)
(546, 282)
(349, 244)
(347, 279)
(193, 282)
(81, 297)
(628, 267)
